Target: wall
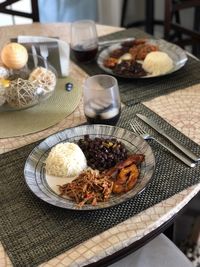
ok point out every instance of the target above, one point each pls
(109, 12)
(67, 10)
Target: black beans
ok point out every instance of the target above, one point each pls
(101, 153)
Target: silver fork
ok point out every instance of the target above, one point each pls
(44, 53)
(140, 131)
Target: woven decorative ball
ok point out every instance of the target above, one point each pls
(45, 78)
(14, 56)
(2, 95)
(4, 72)
(21, 93)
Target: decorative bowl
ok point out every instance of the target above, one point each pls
(28, 86)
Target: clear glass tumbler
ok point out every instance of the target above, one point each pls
(84, 40)
(101, 99)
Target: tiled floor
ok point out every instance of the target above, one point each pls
(187, 231)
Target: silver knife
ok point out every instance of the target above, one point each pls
(186, 151)
(116, 41)
(35, 58)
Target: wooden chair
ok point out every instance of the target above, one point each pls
(149, 20)
(174, 31)
(34, 15)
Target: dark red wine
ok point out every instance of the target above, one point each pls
(99, 120)
(85, 55)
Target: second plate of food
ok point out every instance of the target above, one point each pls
(94, 146)
(142, 58)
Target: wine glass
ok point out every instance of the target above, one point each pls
(101, 99)
(84, 40)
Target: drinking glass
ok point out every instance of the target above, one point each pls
(84, 40)
(101, 99)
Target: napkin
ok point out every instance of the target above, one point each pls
(62, 61)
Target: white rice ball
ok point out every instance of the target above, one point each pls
(65, 160)
(157, 63)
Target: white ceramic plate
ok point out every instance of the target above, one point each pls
(176, 53)
(35, 174)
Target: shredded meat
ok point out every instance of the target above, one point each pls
(89, 187)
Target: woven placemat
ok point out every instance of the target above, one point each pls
(33, 231)
(60, 105)
(138, 90)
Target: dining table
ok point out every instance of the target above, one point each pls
(176, 106)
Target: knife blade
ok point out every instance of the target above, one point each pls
(35, 58)
(116, 41)
(175, 142)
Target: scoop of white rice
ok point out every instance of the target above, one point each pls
(65, 160)
(157, 63)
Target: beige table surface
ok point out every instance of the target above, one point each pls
(181, 109)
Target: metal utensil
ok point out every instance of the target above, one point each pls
(35, 58)
(175, 142)
(138, 130)
(116, 41)
(44, 53)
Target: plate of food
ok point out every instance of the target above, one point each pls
(89, 167)
(142, 58)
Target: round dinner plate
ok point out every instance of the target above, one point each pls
(35, 175)
(176, 53)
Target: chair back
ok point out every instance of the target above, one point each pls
(34, 14)
(174, 30)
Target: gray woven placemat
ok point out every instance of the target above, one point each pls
(33, 232)
(138, 90)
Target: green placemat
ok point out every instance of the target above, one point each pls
(33, 231)
(134, 91)
(60, 105)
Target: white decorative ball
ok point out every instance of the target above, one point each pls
(21, 94)
(45, 78)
